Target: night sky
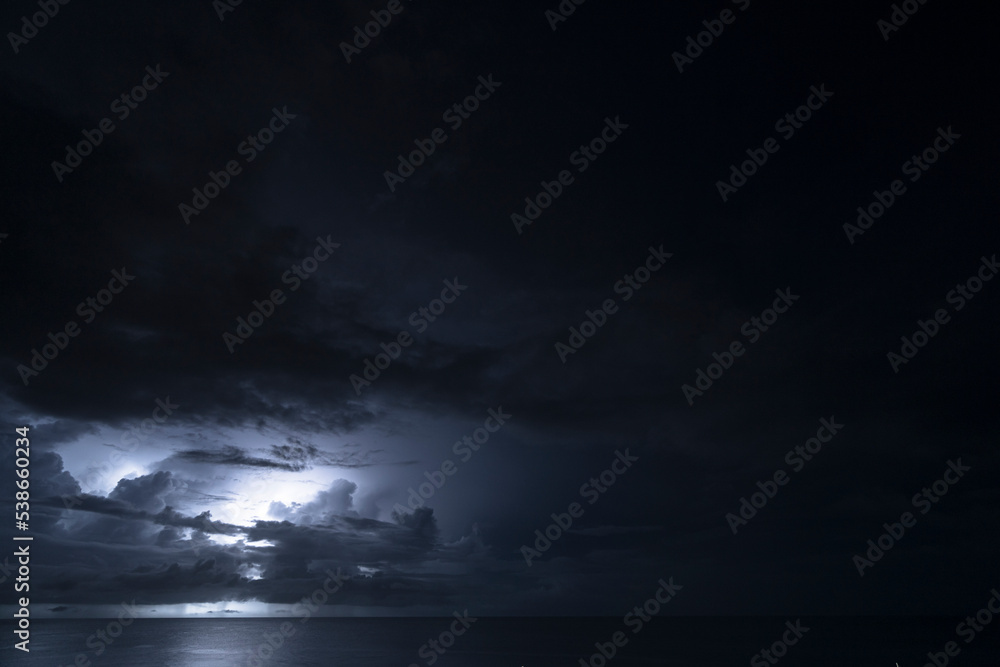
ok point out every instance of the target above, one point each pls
(257, 334)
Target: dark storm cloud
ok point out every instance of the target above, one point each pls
(194, 570)
(107, 546)
(295, 452)
(64, 431)
(111, 509)
(236, 456)
(283, 457)
(239, 272)
(151, 538)
(312, 455)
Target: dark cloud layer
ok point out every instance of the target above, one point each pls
(276, 427)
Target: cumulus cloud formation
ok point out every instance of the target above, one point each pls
(336, 501)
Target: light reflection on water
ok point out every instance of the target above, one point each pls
(490, 642)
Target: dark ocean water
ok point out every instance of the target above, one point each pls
(502, 642)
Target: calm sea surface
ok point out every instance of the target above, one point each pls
(499, 642)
